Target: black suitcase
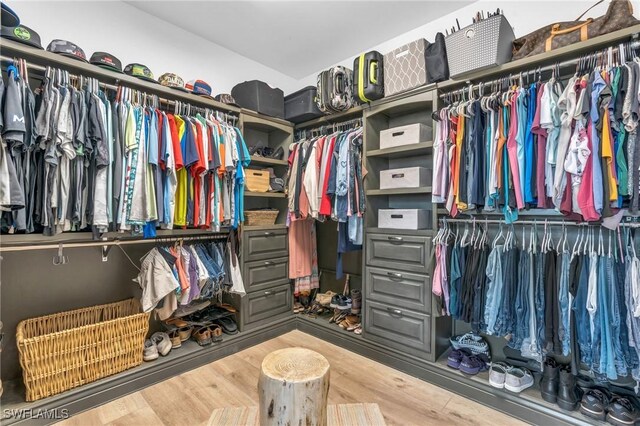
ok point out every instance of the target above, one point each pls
(260, 97)
(301, 106)
(368, 77)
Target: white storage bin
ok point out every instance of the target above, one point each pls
(404, 218)
(408, 177)
(405, 135)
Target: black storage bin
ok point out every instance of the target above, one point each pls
(301, 105)
(368, 77)
(260, 97)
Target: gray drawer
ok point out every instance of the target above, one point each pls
(400, 252)
(402, 289)
(267, 304)
(401, 329)
(267, 244)
(263, 274)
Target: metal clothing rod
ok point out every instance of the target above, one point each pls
(116, 242)
(480, 221)
(570, 62)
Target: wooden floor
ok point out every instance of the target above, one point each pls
(190, 398)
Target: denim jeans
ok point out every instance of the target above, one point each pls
(583, 322)
(539, 300)
(629, 354)
(479, 293)
(614, 319)
(605, 363)
(633, 323)
(563, 300)
(521, 303)
(495, 286)
(505, 322)
(457, 259)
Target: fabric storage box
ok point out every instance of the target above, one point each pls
(260, 97)
(260, 217)
(408, 177)
(404, 218)
(301, 105)
(485, 44)
(257, 180)
(405, 135)
(62, 351)
(405, 68)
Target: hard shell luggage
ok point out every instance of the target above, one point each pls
(368, 78)
(335, 90)
(260, 97)
(301, 105)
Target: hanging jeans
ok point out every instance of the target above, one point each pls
(629, 354)
(505, 322)
(521, 302)
(583, 322)
(479, 292)
(603, 357)
(458, 260)
(495, 285)
(633, 322)
(564, 332)
(618, 358)
(552, 312)
(540, 299)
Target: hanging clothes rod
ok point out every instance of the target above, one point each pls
(480, 221)
(469, 88)
(113, 87)
(116, 242)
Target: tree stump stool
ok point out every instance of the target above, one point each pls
(293, 388)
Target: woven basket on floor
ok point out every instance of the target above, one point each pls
(260, 217)
(62, 351)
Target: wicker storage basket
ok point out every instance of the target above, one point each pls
(260, 217)
(257, 180)
(62, 351)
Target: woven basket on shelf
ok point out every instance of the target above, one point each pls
(260, 217)
(62, 351)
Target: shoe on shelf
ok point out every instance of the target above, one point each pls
(594, 403)
(185, 333)
(518, 379)
(202, 336)
(174, 336)
(621, 411)
(474, 364)
(356, 301)
(549, 383)
(455, 357)
(163, 342)
(569, 394)
(150, 351)
(498, 373)
(341, 302)
(474, 342)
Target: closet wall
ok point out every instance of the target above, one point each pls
(135, 36)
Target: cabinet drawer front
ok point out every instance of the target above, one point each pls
(398, 328)
(402, 289)
(266, 244)
(407, 253)
(267, 304)
(262, 274)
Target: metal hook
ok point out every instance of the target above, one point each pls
(60, 259)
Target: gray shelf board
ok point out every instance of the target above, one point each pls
(423, 232)
(265, 194)
(256, 159)
(402, 151)
(253, 120)
(399, 191)
(556, 55)
(264, 227)
(353, 113)
(44, 58)
(404, 103)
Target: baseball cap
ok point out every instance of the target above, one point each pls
(226, 98)
(8, 17)
(141, 71)
(172, 80)
(107, 61)
(21, 34)
(199, 87)
(67, 48)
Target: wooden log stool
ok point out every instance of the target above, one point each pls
(293, 388)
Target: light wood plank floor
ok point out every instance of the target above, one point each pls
(190, 398)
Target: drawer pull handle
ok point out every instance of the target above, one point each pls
(397, 175)
(397, 216)
(397, 312)
(269, 293)
(396, 239)
(394, 134)
(268, 263)
(268, 234)
(394, 275)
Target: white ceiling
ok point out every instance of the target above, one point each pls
(298, 38)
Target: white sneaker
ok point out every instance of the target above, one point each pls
(498, 374)
(150, 351)
(518, 379)
(163, 342)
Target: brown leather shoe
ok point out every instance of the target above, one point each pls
(202, 336)
(176, 341)
(185, 333)
(216, 332)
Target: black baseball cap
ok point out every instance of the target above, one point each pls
(8, 17)
(67, 48)
(107, 61)
(21, 34)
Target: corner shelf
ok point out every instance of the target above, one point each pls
(258, 160)
(399, 191)
(265, 194)
(402, 151)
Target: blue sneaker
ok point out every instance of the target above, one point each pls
(474, 364)
(471, 341)
(456, 356)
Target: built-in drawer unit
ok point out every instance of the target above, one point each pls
(263, 274)
(399, 252)
(401, 289)
(267, 244)
(267, 305)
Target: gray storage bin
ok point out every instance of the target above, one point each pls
(485, 44)
(407, 177)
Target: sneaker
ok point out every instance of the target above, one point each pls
(174, 336)
(621, 411)
(456, 356)
(150, 351)
(163, 342)
(475, 343)
(594, 403)
(498, 374)
(474, 364)
(340, 302)
(518, 379)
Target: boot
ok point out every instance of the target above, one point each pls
(356, 301)
(569, 395)
(549, 383)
